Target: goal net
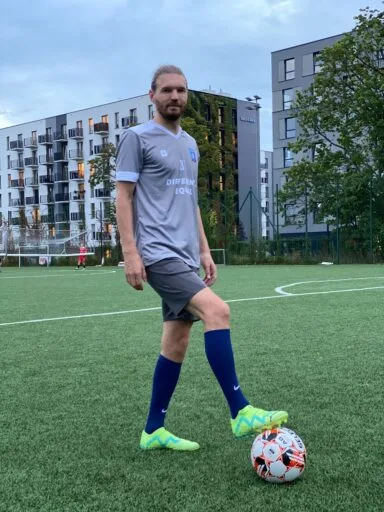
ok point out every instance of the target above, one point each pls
(40, 247)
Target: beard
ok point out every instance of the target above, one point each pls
(168, 115)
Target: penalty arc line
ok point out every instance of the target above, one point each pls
(280, 289)
(143, 310)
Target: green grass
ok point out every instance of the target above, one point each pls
(74, 393)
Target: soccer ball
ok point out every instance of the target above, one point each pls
(278, 455)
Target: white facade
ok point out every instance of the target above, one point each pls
(44, 171)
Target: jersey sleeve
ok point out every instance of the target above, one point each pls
(129, 160)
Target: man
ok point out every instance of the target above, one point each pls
(164, 243)
(81, 258)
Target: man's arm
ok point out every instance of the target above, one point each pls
(205, 255)
(134, 267)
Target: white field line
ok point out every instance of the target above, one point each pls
(65, 273)
(280, 289)
(130, 311)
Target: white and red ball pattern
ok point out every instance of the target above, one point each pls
(278, 455)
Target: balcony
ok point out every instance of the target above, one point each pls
(30, 142)
(99, 148)
(46, 140)
(78, 195)
(16, 145)
(15, 203)
(76, 133)
(46, 159)
(101, 193)
(60, 136)
(60, 156)
(101, 128)
(32, 201)
(31, 182)
(128, 121)
(76, 154)
(47, 219)
(17, 164)
(61, 217)
(78, 216)
(31, 161)
(49, 199)
(62, 198)
(19, 183)
(76, 176)
(46, 179)
(61, 176)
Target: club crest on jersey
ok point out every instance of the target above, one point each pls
(193, 154)
(163, 153)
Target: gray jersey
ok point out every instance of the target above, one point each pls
(165, 167)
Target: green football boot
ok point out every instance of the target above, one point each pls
(251, 420)
(161, 438)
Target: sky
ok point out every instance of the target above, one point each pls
(57, 56)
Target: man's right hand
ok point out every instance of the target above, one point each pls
(134, 271)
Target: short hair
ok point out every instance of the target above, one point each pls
(163, 70)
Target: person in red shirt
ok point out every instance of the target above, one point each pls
(81, 258)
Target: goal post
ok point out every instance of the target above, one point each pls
(218, 256)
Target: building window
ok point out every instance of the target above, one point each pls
(90, 125)
(150, 111)
(91, 146)
(221, 115)
(234, 139)
(221, 137)
(116, 120)
(8, 162)
(7, 143)
(288, 157)
(315, 151)
(287, 99)
(117, 140)
(290, 127)
(207, 112)
(234, 117)
(222, 182)
(267, 194)
(380, 58)
(221, 160)
(290, 212)
(104, 119)
(317, 63)
(289, 69)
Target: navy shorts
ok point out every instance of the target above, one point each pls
(176, 283)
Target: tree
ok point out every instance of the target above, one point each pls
(103, 171)
(341, 138)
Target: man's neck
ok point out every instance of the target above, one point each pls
(172, 126)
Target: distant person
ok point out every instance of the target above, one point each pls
(4, 235)
(164, 242)
(81, 258)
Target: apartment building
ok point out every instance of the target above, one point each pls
(44, 170)
(293, 69)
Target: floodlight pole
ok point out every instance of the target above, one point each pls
(256, 107)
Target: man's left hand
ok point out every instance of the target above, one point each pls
(209, 268)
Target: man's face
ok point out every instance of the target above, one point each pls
(171, 96)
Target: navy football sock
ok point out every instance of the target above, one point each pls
(165, 379)
(218, 349)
